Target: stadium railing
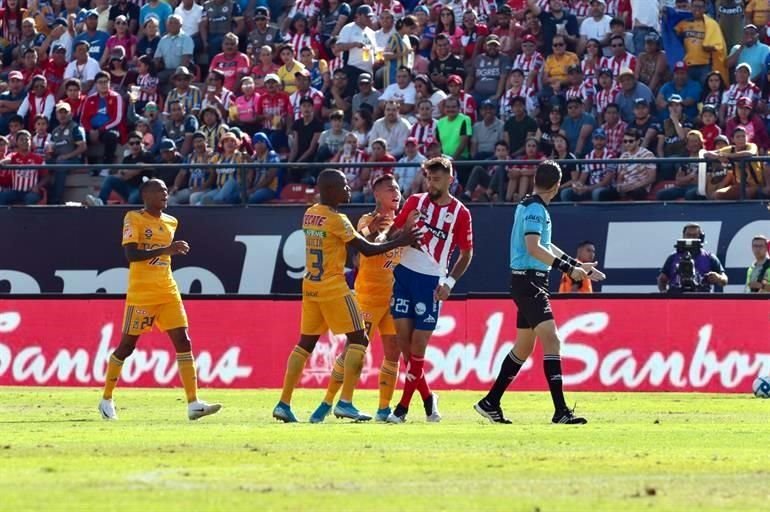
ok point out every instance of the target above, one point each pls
(741, 166)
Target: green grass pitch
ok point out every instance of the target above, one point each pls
(678, 452)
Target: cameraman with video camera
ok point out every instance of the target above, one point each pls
(691, 268)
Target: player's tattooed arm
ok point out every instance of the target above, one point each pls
(134, 253)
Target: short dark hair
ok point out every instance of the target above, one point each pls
(692, 225)
(438, 164)
(618, 36)
(633, 132)
(442, 37)
(135, 135)
(547, 174)
(612, 105)
(502, 143)
(306, 99)
(584, 243)
(100, 75)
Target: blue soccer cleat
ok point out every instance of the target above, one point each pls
(320, 414)
(382, 415)
(283, 412)
(348, 410)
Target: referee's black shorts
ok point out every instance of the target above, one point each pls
(529, 290)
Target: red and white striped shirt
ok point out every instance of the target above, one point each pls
(25, 180)
(485, 9)
(530, 64)
(506, 102)
(590, 72)
(299, 41)
(312, 93)
(615, 136)
(468, 106)
(597, 171)
(424, 133)
(605, 97)
(618, 64)
(613, 6)
(444, 228)
(309, 8)
(731, 96)
(353, 173)
(395, 7)
(335, 64)
(545, 5)
(581, 9)
(581, 91)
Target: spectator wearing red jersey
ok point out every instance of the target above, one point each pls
(29, 65)
(74, 96)
(474, 35)
(710, 129)
(39, 101)
(752, 124)
(274, 112)
(233, 64)
(54, 68)
(104, 117)
(26, 184)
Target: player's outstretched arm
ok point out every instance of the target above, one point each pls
(134, 253)
(594, 274)
(405, 237)
(545, 255)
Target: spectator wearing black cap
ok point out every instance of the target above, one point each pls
(83, 67)
(129, 10)
(58, 36)
(489, 72)
(196, 178)
(263, 33)
(578, 126)
(648, 127)
(486, 132)
(357, 40)
(367, 94)
(96, 39)
(652, 64)
(268, 181)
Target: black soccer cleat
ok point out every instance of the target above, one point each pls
(567, 417)
(493, 413)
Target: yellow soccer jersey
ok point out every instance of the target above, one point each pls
(326, 233)
(150, 281)
(375, 273)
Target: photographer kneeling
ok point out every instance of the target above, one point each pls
(691, 268)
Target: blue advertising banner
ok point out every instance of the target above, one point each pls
(260, 250)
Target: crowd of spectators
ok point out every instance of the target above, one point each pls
(238, 81)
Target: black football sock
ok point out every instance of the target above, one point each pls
(552, 367)
(509, 369)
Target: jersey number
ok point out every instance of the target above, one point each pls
(318, 265)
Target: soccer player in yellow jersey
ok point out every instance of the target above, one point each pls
(374, 288)
(327, 302)
(153, 297)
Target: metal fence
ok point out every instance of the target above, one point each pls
(737, 164)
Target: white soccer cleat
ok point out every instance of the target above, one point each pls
(107, 410)
(199, 409)
(92, 200)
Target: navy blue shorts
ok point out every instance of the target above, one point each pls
(413, 298)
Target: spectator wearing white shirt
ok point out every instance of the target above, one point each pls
(387, 29)
(409, 178)
(403, 92)
(84, 67)
(595, 26)
(646, 19)
(393, 128)
(358, 40)
(191, 14)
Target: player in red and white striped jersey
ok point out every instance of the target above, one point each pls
(26, 184)
(421, 280)
(620, 59)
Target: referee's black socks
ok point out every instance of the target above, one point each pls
(509, 369)
(552, 367)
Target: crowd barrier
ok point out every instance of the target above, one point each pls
(628, 343)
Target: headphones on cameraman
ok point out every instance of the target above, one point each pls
(702, 236)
